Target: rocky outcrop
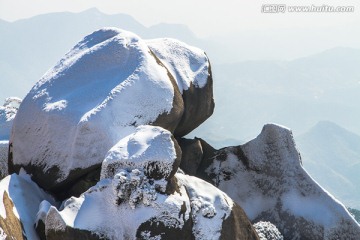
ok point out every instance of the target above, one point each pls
(103, 131)
(197, 210)
(139, 196)
(7, 115)
(192, 71)
(107, 85)
(20, 199)
(266, 178)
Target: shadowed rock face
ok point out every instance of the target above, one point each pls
(198, 106)
(266, 178)
(192, 71)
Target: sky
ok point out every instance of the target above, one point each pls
(204, 17)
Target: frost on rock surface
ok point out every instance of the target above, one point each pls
(191, 69)
(267, 231)
(20, 199)
(265, 177)
(103, 88)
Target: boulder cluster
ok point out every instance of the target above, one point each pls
(95, 141)
(98, 151)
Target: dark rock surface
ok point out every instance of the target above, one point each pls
(192, 71)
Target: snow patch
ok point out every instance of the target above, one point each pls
(59, 105)
(2, 234)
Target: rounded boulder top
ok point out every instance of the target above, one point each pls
(98, 93)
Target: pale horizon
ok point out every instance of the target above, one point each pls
(204, 18)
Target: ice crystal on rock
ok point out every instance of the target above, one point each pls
(134, 187)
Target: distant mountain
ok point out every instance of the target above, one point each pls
(297, 94)
(331, 154)
(31, 46)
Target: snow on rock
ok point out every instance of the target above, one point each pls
(7, 115)
(151, 149)
(189, 65)
(267, 231)
(266, 178)
(191, 69)
(130, 206)
(99, 212)
(20, 198)
(210, 207)
(103, 88)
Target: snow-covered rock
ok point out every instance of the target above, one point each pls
(197, 210)
(152, 149)
(191, 69)
(20, 198)
(7, 115)
(214, 214)
(103, 88)
(267, 231)
(108, 84)
(99, 211)
(265, 177)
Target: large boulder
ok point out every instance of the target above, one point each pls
(105, 87)
(192, 71)
(266, 178)
(20, 198)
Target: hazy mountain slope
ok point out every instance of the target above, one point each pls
(297, 94)
(331, 155)
(31, 46)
